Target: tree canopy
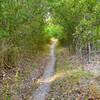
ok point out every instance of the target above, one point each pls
(28, 24)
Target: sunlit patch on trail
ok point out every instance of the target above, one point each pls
(59, 75)
(51, 79)
(54, 40)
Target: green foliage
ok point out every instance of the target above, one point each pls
(54, 31)
(79, 18)
(34, 66)
(87, 29)
(3, 33)
(21, 24)
(29, 24)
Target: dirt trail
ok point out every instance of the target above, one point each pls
(45, 81)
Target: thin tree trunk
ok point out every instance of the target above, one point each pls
(89, 52)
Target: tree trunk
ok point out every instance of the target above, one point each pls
(89, 52)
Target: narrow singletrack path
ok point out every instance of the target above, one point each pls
(44, 88)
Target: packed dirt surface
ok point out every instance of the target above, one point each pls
(45, 81)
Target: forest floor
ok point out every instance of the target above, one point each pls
(74, 80)
(20, 81)
(41, 79)
(33, 71)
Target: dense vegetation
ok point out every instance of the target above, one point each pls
(21, 29)
(81, 22)
(26, 26)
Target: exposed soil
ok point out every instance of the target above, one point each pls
(45, 81)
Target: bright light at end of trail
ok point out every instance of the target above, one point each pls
(54, 40)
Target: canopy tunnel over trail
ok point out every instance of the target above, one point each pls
(27, 27)
(54, 31)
